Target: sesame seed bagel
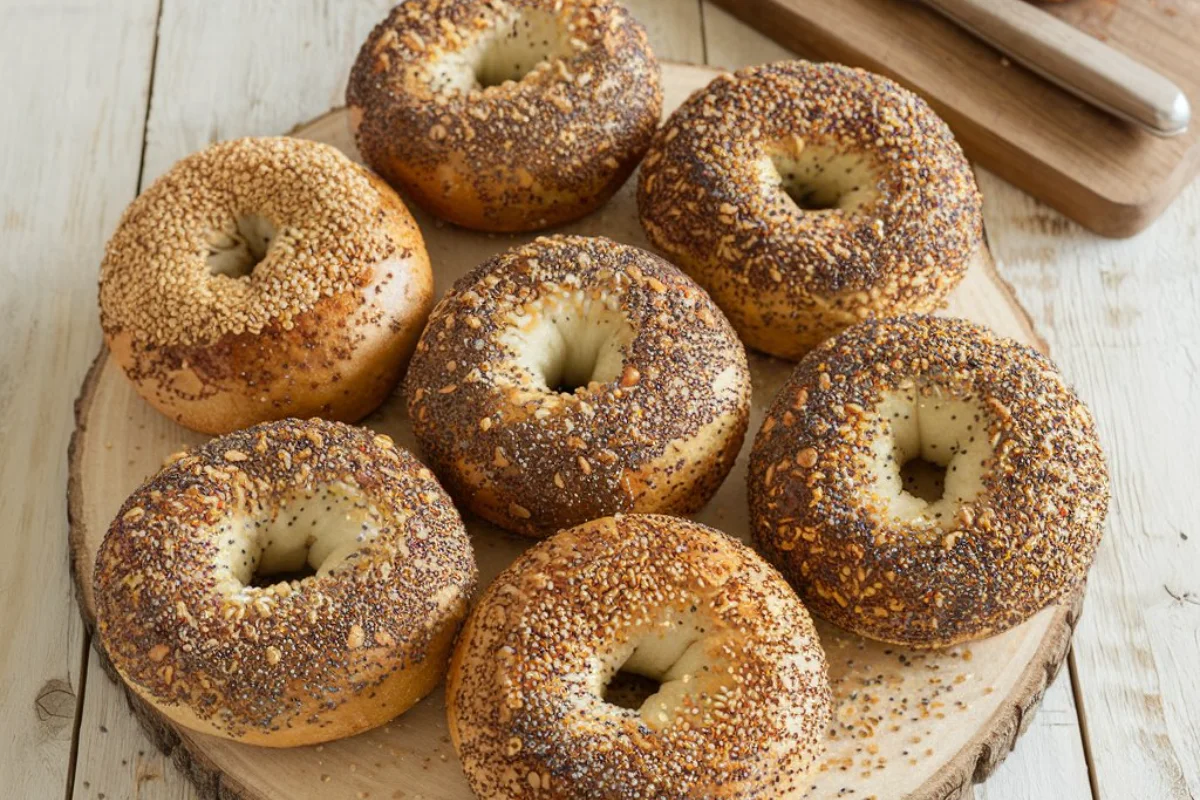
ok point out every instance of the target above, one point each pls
(1005, 520)
(264, 278)
(743, 699)
(506, 116)
(806, 197)
(203, 609)
(575, 377)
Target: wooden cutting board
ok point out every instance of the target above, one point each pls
(922, 726)
(1106, 174)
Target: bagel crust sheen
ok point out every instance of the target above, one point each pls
(1025, 488)
(506, 116)
(806, 197)
(303, 660)
(654, 412)
(321, 324)
(743, 704)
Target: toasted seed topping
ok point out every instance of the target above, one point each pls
(1025, 540)
(554, 139)
(904, 217)
(744, 703)
(156, 283)
(658, 431)
(255, 660)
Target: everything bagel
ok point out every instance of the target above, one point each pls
(203, 610)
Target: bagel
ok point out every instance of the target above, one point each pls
(261, 279)
(743, 704)
(1011, 524)
(187, 619)
(506, 116)
(806, 197)
(574, 377)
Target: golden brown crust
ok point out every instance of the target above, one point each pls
(789, 278)
(519, 156)
(1026, 541)
(525, 712)
(322, 326)
(301, 661)
(659, 437)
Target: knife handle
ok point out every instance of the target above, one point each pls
(1079, 63)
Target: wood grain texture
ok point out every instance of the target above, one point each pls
(54, 217)
(674, 27)
(1109, 175)
(1049, 761)
(1121, 320)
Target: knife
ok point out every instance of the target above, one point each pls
(1081, 64)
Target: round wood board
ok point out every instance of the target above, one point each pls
(906, 724)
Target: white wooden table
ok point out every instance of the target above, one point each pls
(101, 97)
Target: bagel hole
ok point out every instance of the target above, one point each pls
(923, 479)
(514, 46)
(236, 253)
(931, 452)
(816, 178)
(569, 342)
(664, 668)
(630, 690)
(261, 578)
(300, 536)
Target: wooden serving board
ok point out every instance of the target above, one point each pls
(906, 724)
(1106, 174)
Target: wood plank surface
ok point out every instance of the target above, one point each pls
(1110, 175)
(75, 84)
(1121, 320)
(1049, 759)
